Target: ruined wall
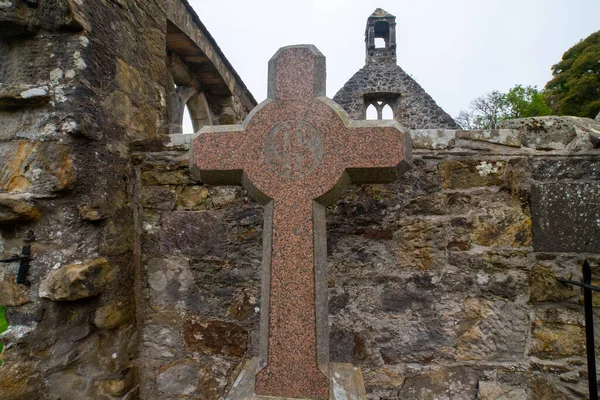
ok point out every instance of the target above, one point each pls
(437, 285)
(81, 85)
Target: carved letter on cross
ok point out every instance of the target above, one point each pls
(295, 153)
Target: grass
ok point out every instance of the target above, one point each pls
(3, 327)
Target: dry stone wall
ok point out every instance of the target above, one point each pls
(440, 285)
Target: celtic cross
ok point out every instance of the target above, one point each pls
(295, 153)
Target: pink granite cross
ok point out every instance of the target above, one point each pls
(295, 153)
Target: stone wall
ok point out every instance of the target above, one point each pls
(442, 285)
(81, 85)
(145, 284)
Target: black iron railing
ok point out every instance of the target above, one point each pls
(589, 325)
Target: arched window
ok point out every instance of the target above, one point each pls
(380, 43)
(380, 105)
(371, 112)
(188, 126)
(387, 112)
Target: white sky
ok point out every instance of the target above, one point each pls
(456, 50)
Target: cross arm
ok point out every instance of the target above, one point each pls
(377, 151)
(217, 154)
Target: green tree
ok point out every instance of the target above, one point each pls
(575, 88)
(524, 102)
(488, 110)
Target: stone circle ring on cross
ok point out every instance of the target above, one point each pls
(294, 148)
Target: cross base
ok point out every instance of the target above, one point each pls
(346, 383)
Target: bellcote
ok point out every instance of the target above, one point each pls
(380, 37)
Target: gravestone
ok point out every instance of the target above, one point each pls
(295, 153)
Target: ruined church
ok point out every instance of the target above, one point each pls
(123, 277)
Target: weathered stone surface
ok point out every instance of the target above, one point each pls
(458, 383)
(117, 235)
(171, 283)
(40, 167)
(11, 293)
(570, 167)
(185, 378)
(500, 391)
(493, 330)
(557, 333)
(215, 337)
(503, 227)
(194, 198)
(543, 389)
(544, 133)
(19, 381)
(118, 387)
(114, 314)
(91, 212)
(544, 286)
(471, 173)
(506, 137)
(77, 281)
(23, 96)
(169, 177)
(193, 234)
(158, 197)
(17, 209)
(565, 216)
(434, 139)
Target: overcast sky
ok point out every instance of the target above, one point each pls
(456, 50)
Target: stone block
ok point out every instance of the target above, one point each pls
(171, 283)
(158, 198)
(506, 137)
(457, 383)
(77, 281)
(543, 133)
(542, 388)
(170, 177)
(490, 390)
(433, 139)
(569, 167)
(193, 198)
(117, 235)
(17, 209)
(38, 167)
(557, 333)
(11, 293)
(493, 330)
(544, 286)
(186, 378)
(215, 337)
(471, 173)
(114, 314)
(18, 17)
(192, 234)
(566, 217)
(503, 226)
(129, 80)
(19, 380)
